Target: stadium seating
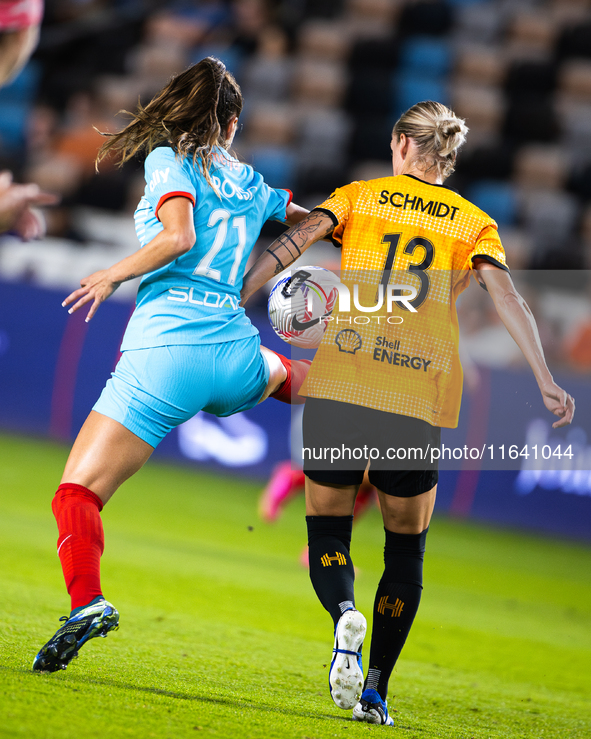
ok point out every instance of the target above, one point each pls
(424, 55)
(498, 199)
(16, 101)
(276, 164)
(409, 88)
(324, 82)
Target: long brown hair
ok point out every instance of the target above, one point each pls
(437, 132)
(191, 114)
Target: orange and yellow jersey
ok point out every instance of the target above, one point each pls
(408, 247)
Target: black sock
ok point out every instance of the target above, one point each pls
(331, 568)
(396, 604)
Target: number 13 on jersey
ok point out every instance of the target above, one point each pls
(420, 270)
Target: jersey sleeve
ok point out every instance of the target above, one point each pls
(488, 247)
(338, 206)
(277, 204)
(167, 177)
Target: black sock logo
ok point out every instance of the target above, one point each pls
(395, 607)
(339, 558)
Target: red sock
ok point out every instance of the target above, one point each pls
(364, 500)
(297, 369)
(298, 479)
(81, 541)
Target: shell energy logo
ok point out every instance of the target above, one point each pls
(348, 341)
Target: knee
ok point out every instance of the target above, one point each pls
(406, 527)
(277, 371)
(403, 557)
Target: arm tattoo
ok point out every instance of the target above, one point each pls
(125, 279)
(286, 236)
(280, 266)
(289, 246)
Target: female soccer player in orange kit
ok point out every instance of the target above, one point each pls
(393, 382)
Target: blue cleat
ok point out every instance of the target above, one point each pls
(372, 709)
(346, 671)
(96, 619)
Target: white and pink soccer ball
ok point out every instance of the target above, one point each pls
(300, 304)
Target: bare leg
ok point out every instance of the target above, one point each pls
(399, 592)
(104, 455)
(329, 500)
(277, 372)
(407, 515)
(329, 520)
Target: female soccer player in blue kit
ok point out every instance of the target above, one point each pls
(189, 345)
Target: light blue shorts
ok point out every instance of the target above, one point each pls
(154, 390)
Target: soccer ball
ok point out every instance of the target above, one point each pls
(299, 304)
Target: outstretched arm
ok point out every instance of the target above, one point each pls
(15, 49)
(176, 238)
(520, 323)
(285, 250)
(294, 214)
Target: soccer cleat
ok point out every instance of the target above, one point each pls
(372, 709)
(95, 619)
(283, 485)
(346, 672)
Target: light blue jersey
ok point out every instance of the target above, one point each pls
(195, 299)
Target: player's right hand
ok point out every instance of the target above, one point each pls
(560, 403)
(97, 287)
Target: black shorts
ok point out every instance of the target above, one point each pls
(342, 439)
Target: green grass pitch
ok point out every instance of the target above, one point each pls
(221, 634)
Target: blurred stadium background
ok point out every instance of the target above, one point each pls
(324, 81)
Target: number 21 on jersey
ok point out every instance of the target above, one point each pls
(221, 218)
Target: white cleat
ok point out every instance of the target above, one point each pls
(346, 672)
(372, 709)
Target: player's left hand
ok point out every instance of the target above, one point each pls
(96, 288)
(17, 211)
(560, 403)
(30, 225)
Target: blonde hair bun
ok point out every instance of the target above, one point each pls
(450, 134)
(438, 133)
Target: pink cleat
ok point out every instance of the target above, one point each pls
(283, 485)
